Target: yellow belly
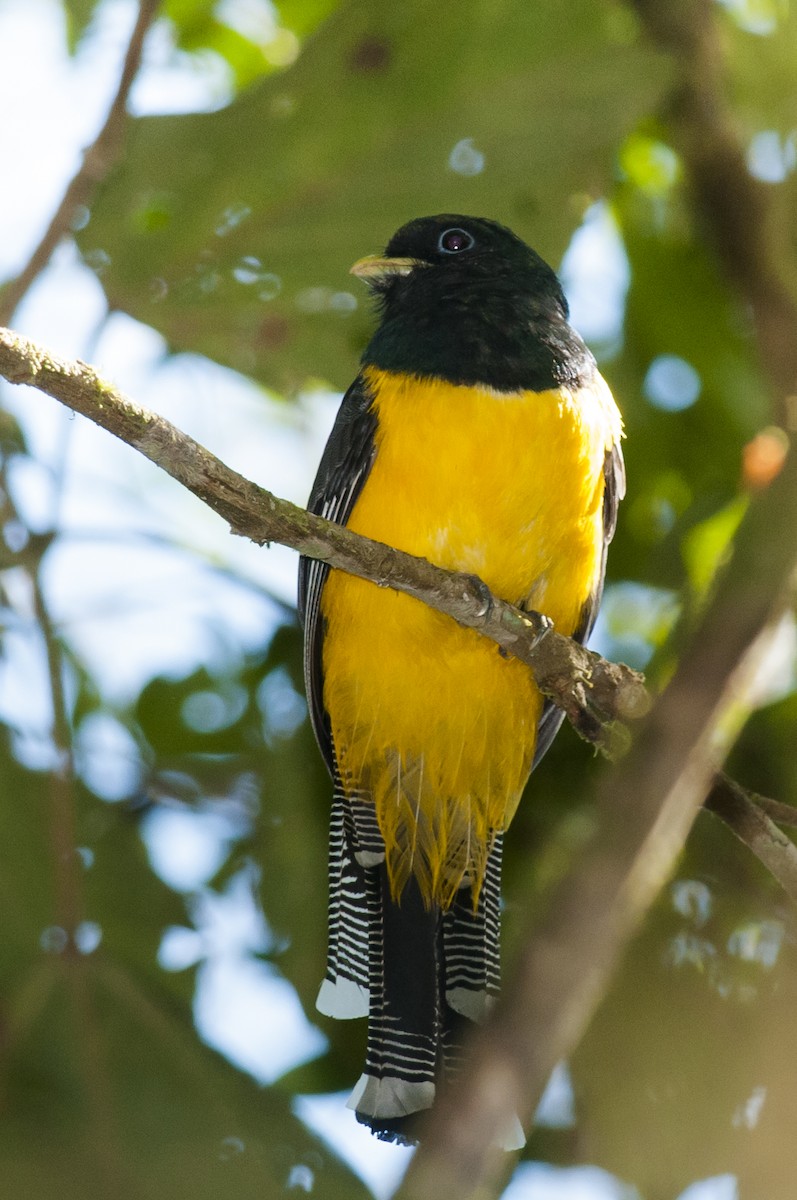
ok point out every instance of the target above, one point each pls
(429, 721)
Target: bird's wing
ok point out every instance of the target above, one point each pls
(343, 470)
(613, 492)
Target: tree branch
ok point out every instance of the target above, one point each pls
(593, 692)
(746, 817)
(781, 814)
(734, 209)
(97, 162)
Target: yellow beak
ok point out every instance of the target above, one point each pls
(374, 266)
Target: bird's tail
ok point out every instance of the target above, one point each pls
(421, 974)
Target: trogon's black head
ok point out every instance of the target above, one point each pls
(464, 299)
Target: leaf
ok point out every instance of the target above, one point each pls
(232, 232)
(79, 15)
(250, 38)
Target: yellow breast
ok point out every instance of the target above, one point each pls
(429, 721)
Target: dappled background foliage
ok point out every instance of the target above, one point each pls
(229, 232)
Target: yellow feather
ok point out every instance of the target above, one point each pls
(428, 718)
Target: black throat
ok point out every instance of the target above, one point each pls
(465, 335)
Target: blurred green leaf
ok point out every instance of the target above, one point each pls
(254, 39)
(79, 15)
(126, 1068)
(232, 232)
(708, 545)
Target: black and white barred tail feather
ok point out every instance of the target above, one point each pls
(422, 975)
(344, 991)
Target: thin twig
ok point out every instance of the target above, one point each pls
(744, 816)
(776, 810)
(98, 159)
(69, 911)
(733, 209)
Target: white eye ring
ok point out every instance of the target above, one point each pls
(467, 241)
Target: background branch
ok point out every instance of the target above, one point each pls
(69, 906)
(746, 817)
(643, 809)
(97, 162)
(734, 209)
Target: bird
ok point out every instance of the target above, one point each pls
(478, 434)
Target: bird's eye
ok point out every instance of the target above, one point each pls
(454, 241)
